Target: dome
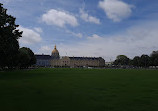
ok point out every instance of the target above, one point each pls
(55, 53)
(55, 50)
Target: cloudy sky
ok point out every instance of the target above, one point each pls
(105, 28)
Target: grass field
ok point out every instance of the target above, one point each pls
(79, 90)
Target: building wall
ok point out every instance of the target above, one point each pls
(55, 62)
(101, 62)
(84, 62)
(43, 63)
(66, 61)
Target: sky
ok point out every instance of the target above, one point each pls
(89, 28)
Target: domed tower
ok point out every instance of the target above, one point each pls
(55, 53)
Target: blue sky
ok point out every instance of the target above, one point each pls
(105, 28)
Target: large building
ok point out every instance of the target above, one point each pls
(54, 60)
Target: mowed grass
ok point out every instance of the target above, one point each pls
(79, 90)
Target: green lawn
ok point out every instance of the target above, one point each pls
(79, 90)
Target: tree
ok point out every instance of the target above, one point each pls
(145, 61)
(9, 36)
(121, 60)
(136, 61)
(26, 57)
(154, 58)
(32, 56)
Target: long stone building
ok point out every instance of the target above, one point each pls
(54, 60)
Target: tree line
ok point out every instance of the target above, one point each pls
(11, 55)
(138, 61)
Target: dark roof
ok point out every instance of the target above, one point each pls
(43, 57)
(85, 58)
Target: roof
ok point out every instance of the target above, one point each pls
(85, 58)
(55, 50)
(43, 57)
(48, 57)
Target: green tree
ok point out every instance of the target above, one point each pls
(136, 61)
(145, 61)
(32, 56)
(121, 60)
(154, 58)
(26, 57)
(9, 36)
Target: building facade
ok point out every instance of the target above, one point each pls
(56, 61)
(43, 60)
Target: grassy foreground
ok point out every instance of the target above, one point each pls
(79, 90)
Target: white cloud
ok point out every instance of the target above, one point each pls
(94, 36)
(116, 9)
(88, 18)
(45, 49)
(6, 1)
(75, 34)
(38, 29)
(59, 18)
(9, 1)
(29, 36)
(137, 40)
(78, 35)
